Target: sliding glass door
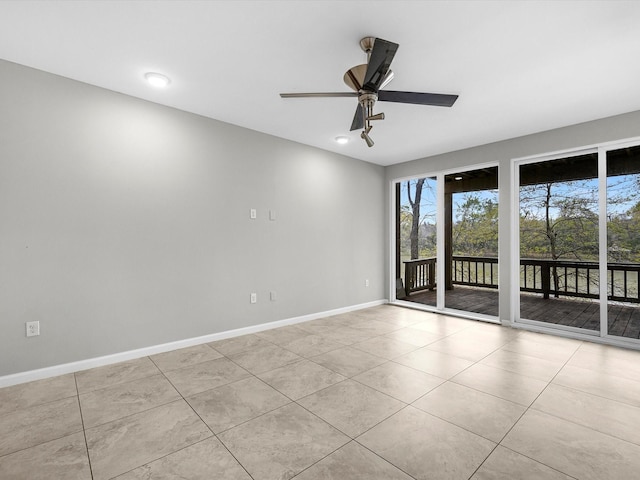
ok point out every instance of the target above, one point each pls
(623, 242)
(447, 241)
(579, 242)
(471, 241)
(416, 240)
(558, 223)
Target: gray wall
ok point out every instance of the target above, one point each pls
(125, 224)
(609, 129)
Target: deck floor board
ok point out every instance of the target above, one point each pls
(624, 319)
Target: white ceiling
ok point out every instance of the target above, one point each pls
(519, 67)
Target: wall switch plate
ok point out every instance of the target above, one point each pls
(272, 214)
(254, 298)
(253, 214)
(366, 282)
(33, 329)
(273, 296)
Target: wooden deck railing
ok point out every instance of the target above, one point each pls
(475, 271)
(419, 275)
(548, 277)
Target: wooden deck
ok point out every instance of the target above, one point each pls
(624, 320)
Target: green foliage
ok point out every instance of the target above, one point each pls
(560, 220)
(425, 225)
(557, 221)
(475, 226)
(426, 235)
(623, 236)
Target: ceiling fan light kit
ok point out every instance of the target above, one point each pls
(365, 136)
(368, 79)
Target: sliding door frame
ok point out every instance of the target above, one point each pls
(601, 336)
(440, 247)
(515, 237)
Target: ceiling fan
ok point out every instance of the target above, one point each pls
(368, 79)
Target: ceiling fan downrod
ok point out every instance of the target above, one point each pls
(368, 100)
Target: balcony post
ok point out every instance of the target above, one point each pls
(398, 238)
(545, 273)
(432, 275)
(448, 237)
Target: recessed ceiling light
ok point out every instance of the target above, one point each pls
(458, 178)
(342, 140)
(157, 79)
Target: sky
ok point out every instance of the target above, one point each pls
(623, 185)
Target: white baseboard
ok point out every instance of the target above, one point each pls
(65, 368)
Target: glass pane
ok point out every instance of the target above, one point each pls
(623, 242)
(471, 241)
(417, 240)
(559, 269)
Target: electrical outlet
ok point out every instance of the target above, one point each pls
(253, 214)
(273, 296)
(254, 298)
(366, 282)
(33, 329)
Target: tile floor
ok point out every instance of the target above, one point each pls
(384, 393)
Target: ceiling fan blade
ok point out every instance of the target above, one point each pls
(435, 99)
(358, 119)
(320, 94)
(379, 62)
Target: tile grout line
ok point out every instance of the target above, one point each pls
(291, 401)
(495, 396)
(375, 453)
(387, 361)
(586, 426)
(499, 443)
(585, 393)
(354, 439)
(601, 396)
(537, 461)
(382, 335)
(351, 439)
(160, 373)
(520, 418)
(43, 443)
(12, 412)
(84, 430)
(201, 419)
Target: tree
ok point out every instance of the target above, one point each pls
(623, 218)
(559, 220)
(415, 211)
(475, 227)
